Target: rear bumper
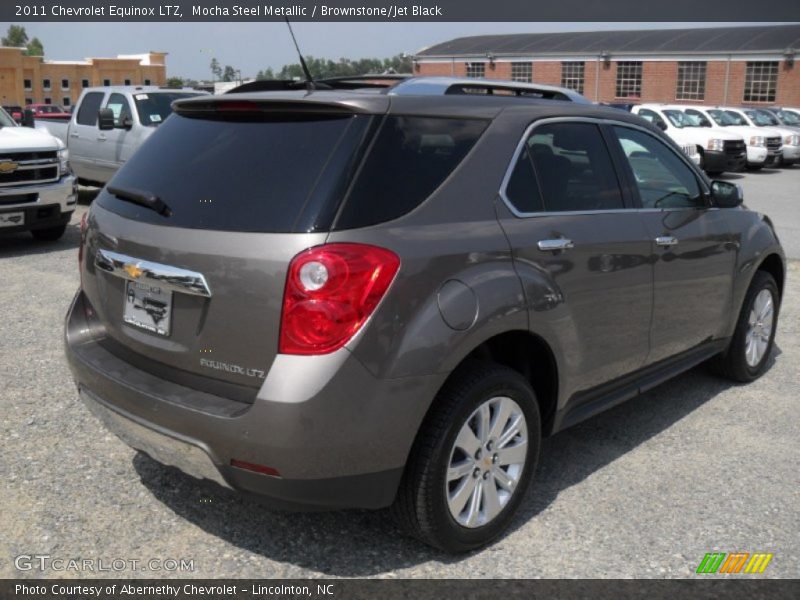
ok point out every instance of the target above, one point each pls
(44, 206)
(338, 437)
(720, 161)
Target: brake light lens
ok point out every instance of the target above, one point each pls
(330, 291)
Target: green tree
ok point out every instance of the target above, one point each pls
(16, 37)
(175, 82)
(345, 67)
(216, 70)
(267, 73)
(35, 48)
(229, 74)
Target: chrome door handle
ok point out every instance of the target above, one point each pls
(666, 241)
(101, 138)
(555, 245)
(73, 135)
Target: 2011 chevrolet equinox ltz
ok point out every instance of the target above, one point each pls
(387, 297)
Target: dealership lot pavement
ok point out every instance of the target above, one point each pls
(644, 490)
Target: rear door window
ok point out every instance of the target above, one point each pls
(573, 168)
(87, 113)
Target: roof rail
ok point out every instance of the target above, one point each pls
(441, 86)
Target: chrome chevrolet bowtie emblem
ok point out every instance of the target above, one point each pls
(8, 166)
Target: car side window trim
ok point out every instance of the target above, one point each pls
(622, 180)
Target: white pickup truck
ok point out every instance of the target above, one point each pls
(719, 150)
(109, 124)
(38, 192)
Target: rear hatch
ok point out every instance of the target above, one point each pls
(186, 250)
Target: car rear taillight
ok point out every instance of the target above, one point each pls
(330, 291)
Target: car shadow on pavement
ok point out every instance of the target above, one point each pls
(359, 543)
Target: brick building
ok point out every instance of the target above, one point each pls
(721, 65)
(31, 79)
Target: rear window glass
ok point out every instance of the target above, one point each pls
(87, 113)
(409, 159)
(242, 175)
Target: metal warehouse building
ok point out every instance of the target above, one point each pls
(720, 65)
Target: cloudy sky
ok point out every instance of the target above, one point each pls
(251, 47)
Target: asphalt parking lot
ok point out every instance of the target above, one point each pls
(645, 490)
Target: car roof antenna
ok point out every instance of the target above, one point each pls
(310, 86)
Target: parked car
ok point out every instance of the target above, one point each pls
(719, 150)
(48, 111)
(764, 147)
(781, 118)
(790, 141)
(791, 116)
(339, 299)
(15, 112)
(109, 124)
(37, 189)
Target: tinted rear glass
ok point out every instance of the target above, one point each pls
(87, 114)
(242, 175)
(409, 159)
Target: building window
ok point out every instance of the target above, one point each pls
(127, 82)
(761, 82)
(46, 84)
(66, 101)
(629, 79)
(65, 84)
(28, 85)
(48, 100)
(28, 101)
(572, 75)
(147, 82)
(84, 83)
(476, 69)
(106, 82)
(522, 71)
(691, 81)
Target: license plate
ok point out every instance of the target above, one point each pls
(148, 307)
(12, 219)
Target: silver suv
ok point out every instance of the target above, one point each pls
(371, 298)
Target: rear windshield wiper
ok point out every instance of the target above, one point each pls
(142, 198)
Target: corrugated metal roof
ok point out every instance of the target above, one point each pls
(702, 40)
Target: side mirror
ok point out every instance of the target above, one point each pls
(27, 118)
(725, 194)
(127, 123)
(661, 125)
(105, 119)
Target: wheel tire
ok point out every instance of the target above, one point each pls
(421, 506)
(733, 362)
(754, 167)
(51, 234)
